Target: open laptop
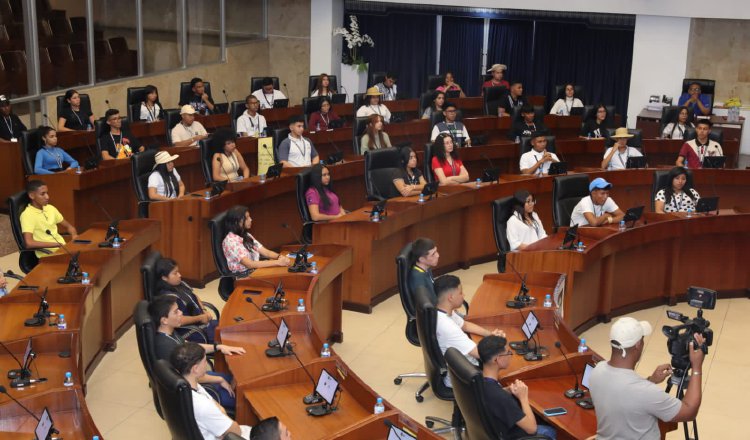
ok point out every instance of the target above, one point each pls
(714, 161)
(281, 103)
(707, 204)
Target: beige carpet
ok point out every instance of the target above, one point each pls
(7, 244)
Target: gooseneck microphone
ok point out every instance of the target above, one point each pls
(224, 92)
(21, 372)
(113, 230)
(522, 299)
(106, 101)
(491, 174)
(288, 96)
(300, 258)
(73, 273)
(575, 392)
(5, 391)
(21, 280)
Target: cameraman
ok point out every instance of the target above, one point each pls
(628, 405)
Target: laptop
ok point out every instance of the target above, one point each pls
(336, 123)
(714, 161)
(281, 103)
(453, 94)
(636, 162)
(576, 111)
(633, 214)
(707, 204)
(338, 98)
(556, 168)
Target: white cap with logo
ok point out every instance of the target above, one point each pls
(626, 332)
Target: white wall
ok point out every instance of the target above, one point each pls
(325, 49)
(660, 47)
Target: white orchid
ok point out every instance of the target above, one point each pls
(354, 40)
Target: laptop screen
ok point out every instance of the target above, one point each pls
(587, 375)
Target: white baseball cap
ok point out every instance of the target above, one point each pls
(626, 332)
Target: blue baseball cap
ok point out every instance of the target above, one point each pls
(599, 183)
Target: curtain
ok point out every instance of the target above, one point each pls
(404, 44)
(461, 51)
(510, 43)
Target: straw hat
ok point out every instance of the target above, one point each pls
(164, 157)
(500, 67)
(373, 91)
(620, 133)
(187, 110)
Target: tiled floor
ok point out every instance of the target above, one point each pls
(375, 348)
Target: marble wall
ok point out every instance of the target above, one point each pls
(720, 50)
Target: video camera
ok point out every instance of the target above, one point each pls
(680, 336)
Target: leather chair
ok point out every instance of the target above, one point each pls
(236, 109)
(716, 135)
(502, 209)
(186, 92)
(661, 180)
(468, 389)
(376, 78)
(27, 258)
(538, 114)
(525, 144)
(303, 183)
(491, 99)
(312, 83)
(434, 81)
(429, 176)
(425, 100)
(171, 118)
(434, 362)
(176, 400)
(310, 106)
(278, 135)
(567, 191)
(30, 143)
(256, 83)
(135, 96)
(403, 266)
(669, 114)
(226, 282)
(141, 166)
(358, 130)
(206, 159)
(145, 331)
(559, 93)
(380, 166)
(358, 99)
(707, 87)
(589, 112)
(62, 104)
(636, 141)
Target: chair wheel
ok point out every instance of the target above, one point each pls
(397, 381)
(429, 423)
(420, 399)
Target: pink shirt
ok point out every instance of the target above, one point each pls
(313, 198)
(235, 250)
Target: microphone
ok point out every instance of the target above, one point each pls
(338, 156)
(41, 314)
(574, 392)
(522, 299)
(300, 259)
(22, 372)
(24, 285)
(224, 92)
(46, 118)
(341, 86)
(106, 101)
(112, 231)
(73, 273)
(491, 174)
(288, 96)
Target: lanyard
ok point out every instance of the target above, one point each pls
(594, 205)
(177, 340)
(257, 120)
(273, 98)
(453, 167)
(10, 126)
(540, 168)
(190, 132)
(681, 203)
(323, 117)
(151, 115)
(233, 162)
(627, 154)
(80, 122)
(57, 156)
(301, 149)
(376, 109)
(512, 104)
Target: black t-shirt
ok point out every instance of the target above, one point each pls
(408, 180)
(11, 127)
(508, 103)
(79, 120)
(592, 129)
(520, 128)
(165, 344)
(187, 302)
(504, 410)
(197, 103)
(108, 141)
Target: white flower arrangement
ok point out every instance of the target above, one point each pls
(354, 40)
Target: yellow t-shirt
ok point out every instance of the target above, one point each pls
(38, 221)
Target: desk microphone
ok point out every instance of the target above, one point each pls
(300, 258)
(42, 312)
(22, 372)
(491, 174)
(522, 299)
(106, 101)
(265, 147)
(46, 118)
(73, 273)
(288, 96)
(21, 280)
(273, 344)
(224, 91)
(112, 230)
(575, 392)
(336, 157)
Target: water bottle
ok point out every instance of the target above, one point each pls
(68, 382)
(3, 292)
(689, 212)
(96, 437)
(207, 195)
(61, 324)
(263, 178)
(379, 407)
(116, 243)
(580, 247)
(518, 140)
(560, 112)
(85, 278)
(421, 198)
(479, 183)
(325, 351)
(375, 216)
(582, 348)
(314, 268)
(547, 300)
(622, 226)
(301, 305)
(79, 170)
(317, 126)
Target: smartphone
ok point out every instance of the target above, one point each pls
(556, 411)
(251, 292)
(82, 241)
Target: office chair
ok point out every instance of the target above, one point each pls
(661, 180)
(525, 144)
(236, 109)
(142, 164)
(30, 144)
(567, 191)
(434, 81)
(380, 166)
(502, 209)
(226, 282)
(358, 130)
(708, 87)
(491, 99)
(429, 176)
(303, 183)
(62, 104)
(186, 92)
(145, 330)
(207, 153)
(278, 135)
(256, 83)
(176, 401)
(27, 259)
(312, 83)
(468, 389)
(376, 78)
(636, 141)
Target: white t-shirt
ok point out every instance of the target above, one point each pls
(251, 126)
(380, 109)
(519, 233)
(628, 405)
(266, 101)
(587, 205)
(150, 115)
(619, 160)
(155, 181)
(449, 334)
(211, 421)
(531, 157)
(436, 131)
(562, 106)
(182, 133)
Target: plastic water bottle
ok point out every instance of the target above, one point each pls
(314, 268)
(301, 305)
(421, 198)
(479, 183)
(580, 247)
(263, 178)
(85, 278)
(547, 300)
(325, 352)
(207, 195)
(376, 216)
(61, 324)
(689, 212)
(116, 243)
(317, 126)
(379, 406)
(79, 170)
(68, 382)
(582, 348)
(3, 292)
(622, 226)
(96, 437)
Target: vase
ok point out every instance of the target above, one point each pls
(352, 80)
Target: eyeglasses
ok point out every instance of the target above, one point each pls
(450, 111)
(532, 201)
(507, 353)
(694, 89)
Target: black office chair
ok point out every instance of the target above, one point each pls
(525, 144)
(142, 165)
(30, 144)
(661, 180)
(559, 93)
(425, 100)
(669, 114)
(278, 135)
(538, 114)
(176, 401)
(491, 99)
(236, 109)
(358, 100)
(312, 83)
(358, 130)
(708, 87)
(226, 282)
(429, 176)
(136, 96)
(636, 141)
(62, 104)
(380, 166)
(376, 78)
(256, 83)
(207, 153)
(434, 362)
(567, 191)
(468, 389)
(27, 258)
(303, 183)
(171, 118)
(434, 81)
(716, 135)
(145, 330)
(186, 92)
(310, 106)
(502, 209)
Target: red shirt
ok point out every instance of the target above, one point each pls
(448, 170)
(317, 118)
(503, 83)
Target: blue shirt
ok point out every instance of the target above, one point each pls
(694, 107)
(50, 158)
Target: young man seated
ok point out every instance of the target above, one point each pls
(267, 95)
(537, 160)
(39, 218)
(424, 257)
(117, 143)
(296, 150)
(188, 131)
(526, 126)
(695, 150)
(200, 101)
(597, 209)
(451, 126)
(387, 88)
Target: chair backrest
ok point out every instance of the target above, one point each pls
(716, 135)
(436, 117)
(148, 273)
(236, 109)
(468, 389)
(376, 77)
(429, 176)
(141, 166)
(668, 114)
(312, 83)
(358, 99)
(30, 143)
(145, 332)
(538, 114)
(62, 104)
(216, 225)
(434, 81)
(589, 112)
(256, 83)
(17, 203)
(171, 118)
(559, 92)
(567, 191)
(278, 135)
(380, 166)
(186, 92)
(636, 141)
(434, 362)
(176, 401)
(135, 96)
(403, 267)
(310, 106)
(303, 183)
(525, 144)
(206, 159)
(358, 130)
(492, 97)
(425, 100)
(502, 209)
(708, 86)
(661, 180)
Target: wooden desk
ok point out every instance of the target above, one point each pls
(67, 408)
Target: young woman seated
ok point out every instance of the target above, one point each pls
(524, 226)
(374, 138)
(165, 183)
(409, 181)
(241, 250)
(322, 202)
(227, 163)
(677, 195)
(447, 167)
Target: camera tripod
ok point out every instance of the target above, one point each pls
(681, 380)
